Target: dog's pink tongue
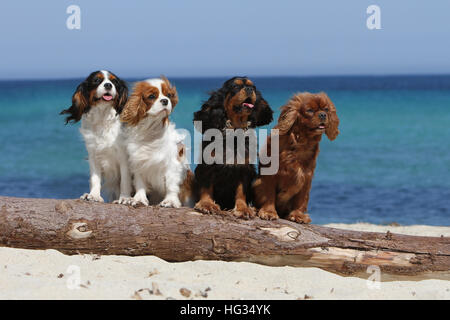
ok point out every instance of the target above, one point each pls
(248, 105)
(107, 97)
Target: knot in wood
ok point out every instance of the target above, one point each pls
(216, 248)
(293, 234)
(79, 230)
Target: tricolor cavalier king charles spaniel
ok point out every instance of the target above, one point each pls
(301, 124)
(98, 102)
(237, 105)
(155, 150)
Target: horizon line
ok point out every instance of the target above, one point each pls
(250, 76)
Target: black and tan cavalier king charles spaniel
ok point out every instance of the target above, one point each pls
(237, 105)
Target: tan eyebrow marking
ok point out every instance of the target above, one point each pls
(167, 88)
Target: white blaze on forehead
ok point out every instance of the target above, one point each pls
(157, 83)
(157, 105)
(101, 87)
(106, 75)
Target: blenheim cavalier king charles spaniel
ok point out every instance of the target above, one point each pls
(301, 124)
(155, 150)
(98, 102)
(237, 105)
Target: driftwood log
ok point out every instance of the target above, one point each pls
(78, 227)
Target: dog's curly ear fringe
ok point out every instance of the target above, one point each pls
(79, 104)
(286, 120)
(123, 96)
(212, 113)
(135, 109)
(332, 130)
(262, 113)
(289, 114)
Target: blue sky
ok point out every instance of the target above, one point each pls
(222, 38)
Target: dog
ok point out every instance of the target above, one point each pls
(236, 105)
(98, 102)
(301, 124)
(155, 150)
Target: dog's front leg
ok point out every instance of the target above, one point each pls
(95, 181)
(206, 203)
(141, 191)
(241, 209)
(125, 181)
(264, 189)
(173, 181)
(300, 203)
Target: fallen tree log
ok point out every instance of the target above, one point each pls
(175, 235)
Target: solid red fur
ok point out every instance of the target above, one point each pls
(301, 124)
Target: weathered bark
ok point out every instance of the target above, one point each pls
(75, 226)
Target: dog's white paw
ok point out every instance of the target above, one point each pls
(124, 200)
(170, 203)
(139, 201)
(91, 197)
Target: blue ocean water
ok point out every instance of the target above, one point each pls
(389, 164)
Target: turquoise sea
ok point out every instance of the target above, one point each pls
(391, 162)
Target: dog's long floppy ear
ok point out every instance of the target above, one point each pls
(288, 117)
(79, 105)
(262, 114)
(332, 130)
(122, 93)
(135, 109)
(212, 114)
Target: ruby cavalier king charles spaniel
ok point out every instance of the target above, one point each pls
(302, 122)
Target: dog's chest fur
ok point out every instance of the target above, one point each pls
(101, 130)
(153, 153)
(100, 127)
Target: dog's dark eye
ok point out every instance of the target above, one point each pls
(97, 80)
(170, 96)
(310, 111)
(326, 109)
(152, 96)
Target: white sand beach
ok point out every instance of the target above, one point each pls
(49, 274)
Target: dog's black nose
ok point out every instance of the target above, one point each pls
(108, 86)
(322, 115)
(248, 90)
(164, 102)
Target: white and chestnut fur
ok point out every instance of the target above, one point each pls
(98, 102)
(155, 149)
